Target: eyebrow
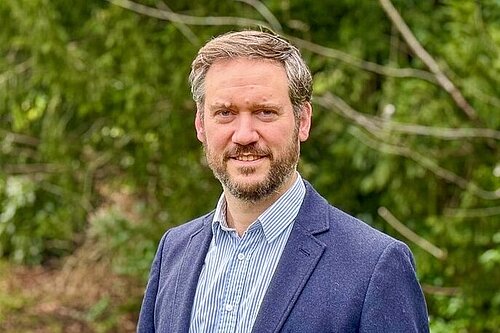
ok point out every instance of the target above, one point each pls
(267, 106)
(254, 106)
(218, 106)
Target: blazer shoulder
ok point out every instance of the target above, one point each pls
(340, 229)
(343, 222)
(362, 238)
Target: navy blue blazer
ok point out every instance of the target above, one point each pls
(336, 274)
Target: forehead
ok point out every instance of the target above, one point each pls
(241, 78)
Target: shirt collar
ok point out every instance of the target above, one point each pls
(274, 220)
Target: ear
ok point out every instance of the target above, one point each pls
(198, 124)
(305, 121)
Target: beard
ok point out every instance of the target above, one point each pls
(282, 166)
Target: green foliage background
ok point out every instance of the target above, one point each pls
(97, 137)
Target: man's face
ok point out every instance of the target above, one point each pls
(248, 130)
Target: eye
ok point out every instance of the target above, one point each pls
(267, 114)
(223, 115)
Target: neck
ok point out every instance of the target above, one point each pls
(241, 213)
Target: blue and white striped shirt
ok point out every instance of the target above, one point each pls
(237, 271)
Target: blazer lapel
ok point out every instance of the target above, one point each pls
(192, 263)
(300, 256)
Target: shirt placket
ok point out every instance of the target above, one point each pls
(238, 271)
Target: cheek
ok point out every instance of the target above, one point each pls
(215, 140)
(279, 136)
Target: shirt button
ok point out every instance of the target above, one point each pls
(229, 307)
(241, 256)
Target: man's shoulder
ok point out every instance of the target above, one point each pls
(347, 225)
(344, 227)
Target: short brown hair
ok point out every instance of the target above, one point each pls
(254, 45)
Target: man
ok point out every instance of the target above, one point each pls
(274, 256)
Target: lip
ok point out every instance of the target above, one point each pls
(247, 157)
(247, 160)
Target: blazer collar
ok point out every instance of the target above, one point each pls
(313, 214)
(187, 280)
(298, 261)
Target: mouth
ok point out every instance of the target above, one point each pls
(247, 157)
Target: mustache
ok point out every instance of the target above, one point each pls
(247, 149)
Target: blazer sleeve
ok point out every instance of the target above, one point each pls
(394, 301)
(146, 316)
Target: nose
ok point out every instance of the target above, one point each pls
(245, 132)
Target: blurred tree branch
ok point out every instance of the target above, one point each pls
(441, 291)
(435, 76)
(335, 103)
(427, 163)
(411, 235)
(377, 125)
(19, 138)
(186, 19)
(472, 212)
(362, 64)
(17, 69)
(427, 59)
(239, 21)
(28, 168)
(265, 13)
(183, 28)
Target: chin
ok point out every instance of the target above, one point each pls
(249, 176)
(246, 183)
